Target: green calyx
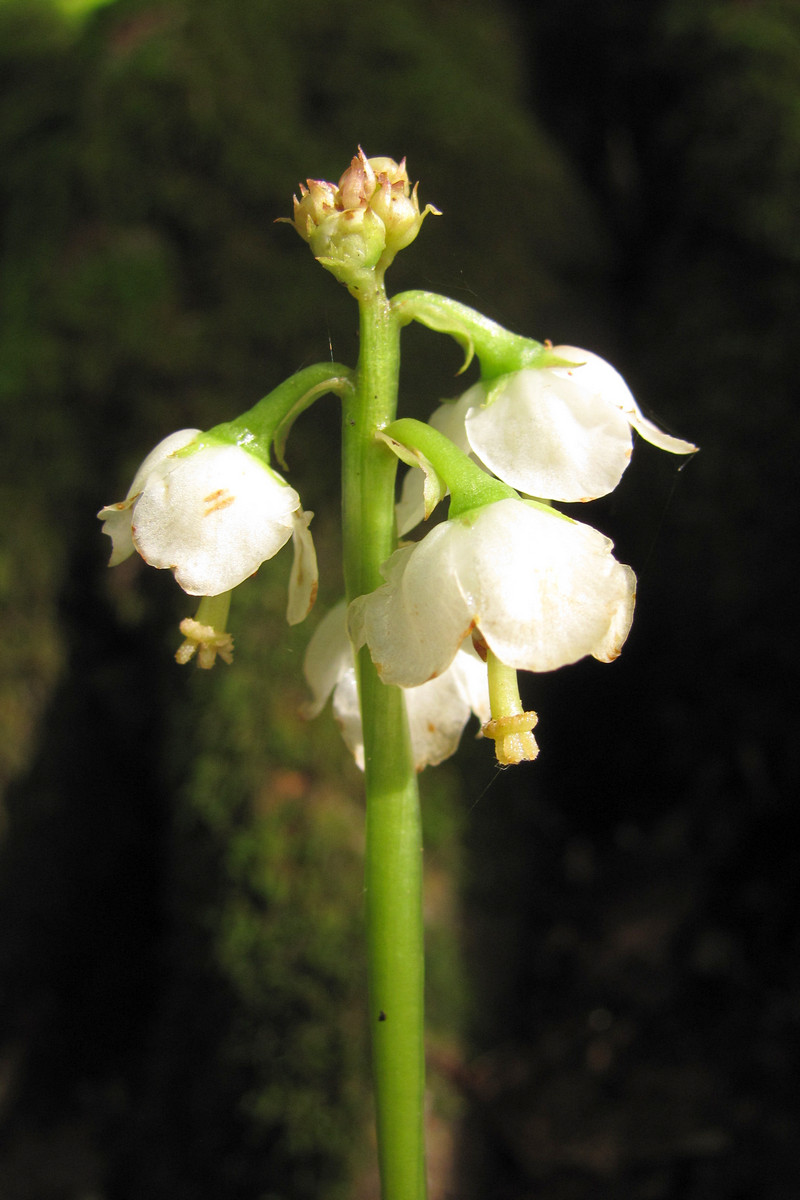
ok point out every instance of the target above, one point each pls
(469, 485)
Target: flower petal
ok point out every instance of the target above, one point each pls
(158, 459)
(213, 517)
(327, 657)
(116, 518)
(347, 712)
(545, 591)
(437, 710)
(305, 576)
(416, 621)
(548, 437)
(602, 379)
(410, 508)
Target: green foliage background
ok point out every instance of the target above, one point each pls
(181, 972)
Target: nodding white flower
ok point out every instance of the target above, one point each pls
(437, 710)
(212, 515)
(559, 433)
(540, 590)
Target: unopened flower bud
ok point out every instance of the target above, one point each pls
(399, 212)
(317, 201)
(357, 184)
(349, 242)
(357, 226)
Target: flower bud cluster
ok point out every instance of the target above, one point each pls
(358, 225)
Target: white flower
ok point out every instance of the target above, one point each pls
(559, 433)
(437, 711)
(212, 516)
(542, 591)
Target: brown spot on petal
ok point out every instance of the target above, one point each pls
(480, 647)
(312, 596)
(216, 501)
(610, 655)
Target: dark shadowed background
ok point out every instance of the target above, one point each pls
(613, 940)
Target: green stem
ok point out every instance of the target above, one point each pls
(393, 871)
(499, 350)
(272, 417)
(213, 611)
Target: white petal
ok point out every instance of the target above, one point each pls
(305, 576)
(437, 710)
(548, 437)
(410, 508)
(611, 645)
(416, 621)
(328, 655)
(347, 711)
(473, 680)
(598, 376)
(450, 420)
(157, 459)
(545, 591)
(116, 518)
(329, 666)
(656, 437)
(213, 518)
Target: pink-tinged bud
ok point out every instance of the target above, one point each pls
(393, 171)
(357, 226)
(317, 201)
(399, 212)
(357, 184)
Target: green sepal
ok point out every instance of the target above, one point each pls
(434, 489)
(469, 485)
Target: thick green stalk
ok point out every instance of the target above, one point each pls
(393, 871)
